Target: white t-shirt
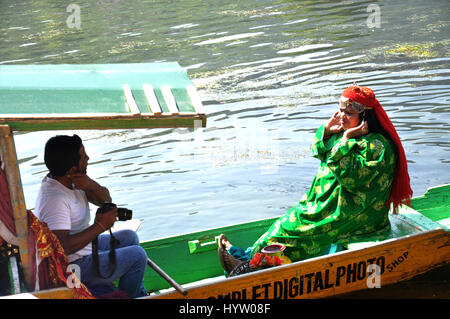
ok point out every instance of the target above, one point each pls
(63, 209)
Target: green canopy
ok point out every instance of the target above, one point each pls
(95, 96)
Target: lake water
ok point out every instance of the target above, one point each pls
(268, 72)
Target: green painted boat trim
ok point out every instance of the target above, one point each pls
(186, 265)
(435, 204)
(172, 252)
(105, 122)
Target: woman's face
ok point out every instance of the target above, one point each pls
(348, 118)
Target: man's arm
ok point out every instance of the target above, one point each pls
(95, 193)
(75, 242)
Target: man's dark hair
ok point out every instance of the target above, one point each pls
(62, 152)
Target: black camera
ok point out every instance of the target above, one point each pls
(122, 213)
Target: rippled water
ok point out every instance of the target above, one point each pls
(269, 73)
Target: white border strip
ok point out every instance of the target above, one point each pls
(130, 100)
(152, 101)
(170, 100)
(195, 98)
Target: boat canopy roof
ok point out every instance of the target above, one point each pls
(98, 96)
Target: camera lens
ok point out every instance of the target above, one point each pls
(124, 214)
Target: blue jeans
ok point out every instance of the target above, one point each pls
(131, 262)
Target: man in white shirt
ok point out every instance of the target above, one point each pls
(63, 203)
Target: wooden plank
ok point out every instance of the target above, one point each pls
(195, 99)
(152, 101)
(9, 158)
(56, 293)
(131, 102)
(397, 259)
(170, 100)
(107, 122)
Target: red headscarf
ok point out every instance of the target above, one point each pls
(401, 191)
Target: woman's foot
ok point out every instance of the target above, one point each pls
(227, 261)
(224, 243)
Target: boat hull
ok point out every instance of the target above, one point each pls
(342, 272)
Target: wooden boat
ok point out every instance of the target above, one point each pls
(419, 239)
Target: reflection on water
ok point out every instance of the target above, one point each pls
(269, 73)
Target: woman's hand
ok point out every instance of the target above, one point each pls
(360, 130)
(333, 126)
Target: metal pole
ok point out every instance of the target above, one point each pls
(166, 277)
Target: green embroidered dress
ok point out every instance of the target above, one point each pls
(346, 198)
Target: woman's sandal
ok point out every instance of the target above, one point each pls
(228, 262)
(223, 238)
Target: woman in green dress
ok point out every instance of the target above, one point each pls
(362, 174)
